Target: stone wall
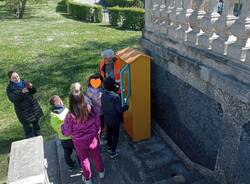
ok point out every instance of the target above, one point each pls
(200, 90)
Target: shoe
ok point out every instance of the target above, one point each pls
(73, 168)
(86, 181)
(109, 149)
(102, 174)
(113, 155)
(70, 169)
(103, 142)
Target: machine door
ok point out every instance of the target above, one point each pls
(125, 85)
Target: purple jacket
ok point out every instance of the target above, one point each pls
(82, 133)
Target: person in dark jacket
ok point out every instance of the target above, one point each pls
(28, 111)
(112, 110)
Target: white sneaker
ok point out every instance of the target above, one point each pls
(102, 174)
(86, 181)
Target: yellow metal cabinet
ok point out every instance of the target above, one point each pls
(135, 79)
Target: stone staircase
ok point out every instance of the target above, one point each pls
(146, 162)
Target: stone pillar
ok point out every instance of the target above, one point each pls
(222, 26)
(241, 29)
(173, 17)
(194, 21)
(148, 15)
(182, 18)
(207, 25)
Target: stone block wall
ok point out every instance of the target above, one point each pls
(200, 97)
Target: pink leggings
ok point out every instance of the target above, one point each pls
(92, 151)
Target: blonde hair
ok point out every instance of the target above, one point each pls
(76, 88)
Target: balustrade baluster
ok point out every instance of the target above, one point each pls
(163, 14)
(182, 18)
(173, 17)
(222, 27)
(148, 15)
(208, 25)
(156, 15)
(194, 21)
(241, 29)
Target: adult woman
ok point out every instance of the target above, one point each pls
(27, 109)
(82, 123)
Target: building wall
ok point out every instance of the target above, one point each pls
(201, 100)
(192, 119)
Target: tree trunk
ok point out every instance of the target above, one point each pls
(22, 8)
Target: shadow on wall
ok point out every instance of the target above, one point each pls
(189, 117)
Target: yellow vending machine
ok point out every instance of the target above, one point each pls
(135, 92)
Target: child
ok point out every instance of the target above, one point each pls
(76, 89)
(82, 123)
(94, 92)
(58, 114)
(112, 110)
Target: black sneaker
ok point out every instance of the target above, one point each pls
(109, 149)
(113, 155)
(73, 168)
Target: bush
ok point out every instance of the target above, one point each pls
(85, 12)
(114, 16)
(128, 18)
(124, 3)
(61, 6)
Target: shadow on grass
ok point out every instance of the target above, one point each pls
(117, 28)
(53, 74)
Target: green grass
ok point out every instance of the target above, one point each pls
(52, 51)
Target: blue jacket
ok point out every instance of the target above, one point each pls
(112, 108)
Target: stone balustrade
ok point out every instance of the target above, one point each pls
(198, 23)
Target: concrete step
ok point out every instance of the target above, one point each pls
(206, 181)
(50, 153)
(66, 176)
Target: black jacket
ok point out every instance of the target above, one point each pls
(112, 108)
(26, 107)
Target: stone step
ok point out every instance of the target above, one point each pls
(66, 176)
(50, 153)
(206, 181)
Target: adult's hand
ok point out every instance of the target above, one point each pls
(28, 84)
(25, 90)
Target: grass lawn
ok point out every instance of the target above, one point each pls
(51, 50)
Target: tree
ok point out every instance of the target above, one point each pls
(17, 6)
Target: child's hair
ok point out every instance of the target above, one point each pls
(95, 76)
(109, 84)
(55, 99)
(76, 88)
(78, 106)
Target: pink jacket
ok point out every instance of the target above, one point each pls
(82, 133)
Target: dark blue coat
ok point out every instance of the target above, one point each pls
(26, 106)
(112, 108)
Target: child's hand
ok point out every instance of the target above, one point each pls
(125, 108)
(89, 107)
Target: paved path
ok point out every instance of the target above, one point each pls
(146, 162)
(92, 2)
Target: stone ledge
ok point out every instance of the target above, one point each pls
(27, 164)
(221, 63)
(196, 73)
